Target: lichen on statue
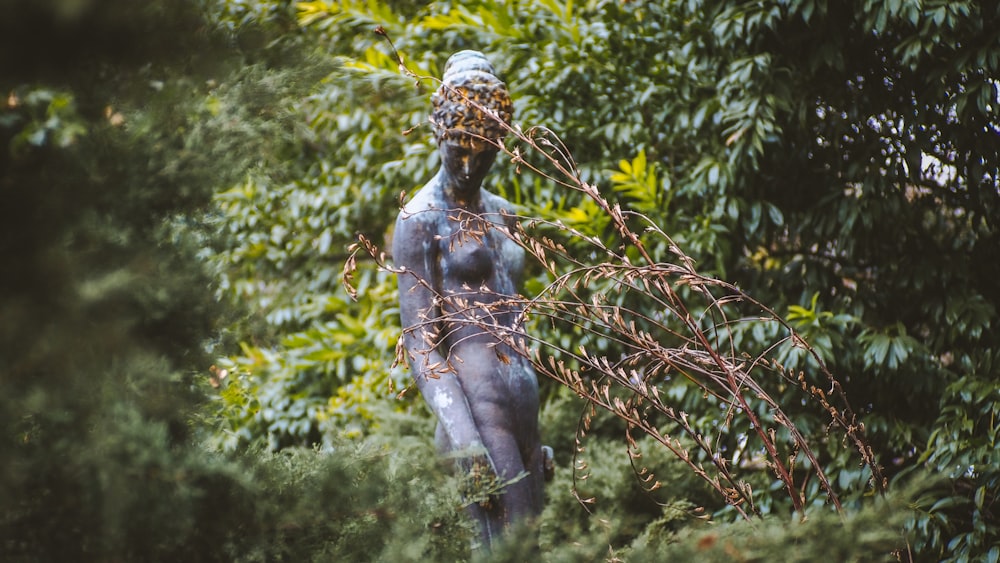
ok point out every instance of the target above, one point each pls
(459, 272)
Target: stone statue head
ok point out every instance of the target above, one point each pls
(468, 76)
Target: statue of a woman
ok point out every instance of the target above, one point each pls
(460, 269)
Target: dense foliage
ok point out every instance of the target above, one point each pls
(837, 162)
(182, 180)
(773, 142)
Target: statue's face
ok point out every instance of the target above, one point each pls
(466, 163)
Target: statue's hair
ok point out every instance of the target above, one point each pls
(469, 77)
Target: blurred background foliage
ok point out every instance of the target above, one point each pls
(181, 182)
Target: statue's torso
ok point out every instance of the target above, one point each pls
(477, 268)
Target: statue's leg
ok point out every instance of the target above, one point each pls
(520, 500)
(489, 529)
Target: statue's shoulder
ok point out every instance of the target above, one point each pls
(416, 225)
(498, 207)
(493, 203)
(423, 207)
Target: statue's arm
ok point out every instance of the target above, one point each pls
(415, 254)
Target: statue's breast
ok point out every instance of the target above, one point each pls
(469, 261)
(477, 251)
